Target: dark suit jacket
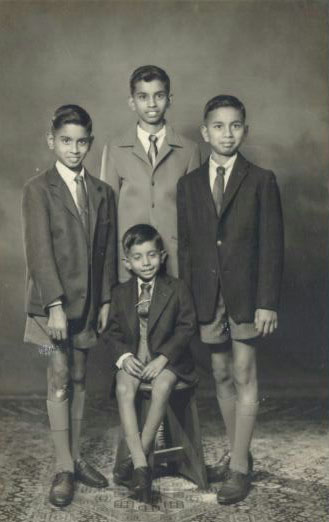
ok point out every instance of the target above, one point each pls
(241, 251)
(171, 323)
(56, 247)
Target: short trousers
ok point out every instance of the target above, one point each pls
(223, 327)
(81, 336)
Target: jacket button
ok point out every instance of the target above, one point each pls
(219, 243)
(153, 205)
(153, 183)
(83, 296)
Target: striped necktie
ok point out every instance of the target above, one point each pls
(82, 203)
(144, 301)
(153, 150)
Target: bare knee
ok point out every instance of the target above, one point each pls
(161, 388)
(58, 383)
(124, 392)
(78, 377)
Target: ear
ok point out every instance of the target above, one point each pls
(204, 132)
(131, 103)
(170, 100)
(50, 140)
(163, 256)
(246, 130)
(91, 141)
(127, 263)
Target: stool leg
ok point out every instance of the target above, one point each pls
(184, 426)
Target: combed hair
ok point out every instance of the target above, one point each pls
(139, 234)
(224, 100)
(147, 73)
(67, 114)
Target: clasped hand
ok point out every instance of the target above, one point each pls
(145, 372)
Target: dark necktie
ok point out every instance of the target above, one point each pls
(153, 150)
(144, 302)
(82, 203)
(218, 189)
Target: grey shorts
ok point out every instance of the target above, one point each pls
(223, 327)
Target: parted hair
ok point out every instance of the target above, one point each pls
(147, 73)
(224, 100)
(139, 234)
(71, 114)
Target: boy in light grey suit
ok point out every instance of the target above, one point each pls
(144, 166)
(70, 245)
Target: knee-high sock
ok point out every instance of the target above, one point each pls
(58, 413)
(228, 411)
(244, 426)
(77, 409)
(136, 450)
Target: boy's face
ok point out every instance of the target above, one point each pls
(150, 100)
(225, 131)
(145, 260)
(71, 144)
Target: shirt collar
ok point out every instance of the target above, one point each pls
(227, 166)
(140, 282)
(67, 173)
(144, 135)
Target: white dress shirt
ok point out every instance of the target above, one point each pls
(213, 170)
(139, 283)
(143, 137)
(68, 176)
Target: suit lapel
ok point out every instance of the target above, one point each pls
(130, 310)
(59, 188)
(239, 172)
(161, 295)
(130, 140)
(170, 142)
(95, 197)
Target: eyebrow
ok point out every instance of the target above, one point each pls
(235, 121)
(157, 92)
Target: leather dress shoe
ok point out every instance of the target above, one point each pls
(218, 471)
(235, 487)
(62, 489)
(141, 483)
(122, 475)
(86, 474)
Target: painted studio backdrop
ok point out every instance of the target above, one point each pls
(271, 54)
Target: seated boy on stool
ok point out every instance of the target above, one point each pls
(151, 322)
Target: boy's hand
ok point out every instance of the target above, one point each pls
(133, 366)
(153, 368)
(102, 318)
(266, 321)
(57, 323)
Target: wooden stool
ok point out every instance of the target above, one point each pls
(182, 432)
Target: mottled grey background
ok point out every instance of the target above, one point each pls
(271, 54)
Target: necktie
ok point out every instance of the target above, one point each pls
(218, 189)
(82, 203)
(153, 150)
(144, 302)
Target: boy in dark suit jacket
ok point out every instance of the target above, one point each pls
(230, 253)
(152, 320)
(70, 246)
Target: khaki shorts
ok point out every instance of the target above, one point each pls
(223, 327)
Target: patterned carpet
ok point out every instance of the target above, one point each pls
(290, 479)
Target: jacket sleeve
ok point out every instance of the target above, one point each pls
(195, 160)
(271, 245)
(184, 253)
(114, 337)
(185, 326)
(38, 246)
(109, 172)
(110, 262)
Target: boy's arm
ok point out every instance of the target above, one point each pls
(184, 255)
(38, 245)
(185, 326)
(271, 245)
(195, 160)
(114, 336)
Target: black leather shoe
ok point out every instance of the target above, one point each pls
(122, 475)
(235, 488)
(141, 483)
(217, 472)
(88, 475)
(62, 489)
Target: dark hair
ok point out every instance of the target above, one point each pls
(71, 114)
(147, 73)
(139, 234)
(224, 100)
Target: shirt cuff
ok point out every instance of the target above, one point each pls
(55, 303)
(122, 358)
